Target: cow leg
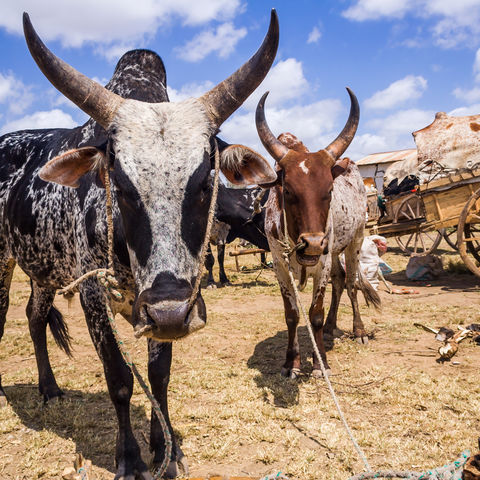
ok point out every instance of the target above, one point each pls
(338, 285)
(316, 315)
(351, 267)
(38, 308)
(221, 264)
(6, 273)
(209, 263)
(291, 367)
(119, 381)
(159, 362)
(263, 259)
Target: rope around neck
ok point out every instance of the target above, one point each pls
(287, 252)
(452, 471)
(106, 277)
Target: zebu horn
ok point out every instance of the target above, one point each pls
(223, 99)
(274, 146)
(91, 97)
(341, 143)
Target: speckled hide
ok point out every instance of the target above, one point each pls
(346, 219)
(159, 158)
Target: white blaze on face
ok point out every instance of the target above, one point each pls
(304, 167)
(159, 147)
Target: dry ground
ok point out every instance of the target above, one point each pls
(234, 413)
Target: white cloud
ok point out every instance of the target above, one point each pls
(111, 22)
(464, 111)
(375, 9)
(408, 88)
(222, 40)
(476, 66)
(314, 36)
(470, 96)
(316, 124)
(48, 119)
(189, 90)
(17, 96)
(114, 51)
(455, 22)
(367, 143)
(398, 127)
(285, 81)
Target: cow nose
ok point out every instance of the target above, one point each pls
(170, 320)
(315, 243)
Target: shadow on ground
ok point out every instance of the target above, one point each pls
(268, 358)
(448, 282)
(88, 419)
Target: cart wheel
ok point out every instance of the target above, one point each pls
(469, 234)
(419, 242)
(450, 236)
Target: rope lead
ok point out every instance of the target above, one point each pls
(106, 278)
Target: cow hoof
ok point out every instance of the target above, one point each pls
(53, 398)
(292, 373)
(211, 285)
(138, 471)
(146, 475)
(318, 373)
(362, 340)
(337, 333)
(226, 284)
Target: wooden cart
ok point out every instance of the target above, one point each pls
(420, 219)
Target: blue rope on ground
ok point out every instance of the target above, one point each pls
(451, 471)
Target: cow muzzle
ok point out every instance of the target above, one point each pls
(315, 245)
(167, 319)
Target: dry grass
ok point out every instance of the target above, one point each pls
(234, 413)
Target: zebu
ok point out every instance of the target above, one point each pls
(235, 210)
(159, 157)
(323, 201)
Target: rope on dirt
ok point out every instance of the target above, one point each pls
(275, 476)
(323, 281)
(106, 277)
(451, 471)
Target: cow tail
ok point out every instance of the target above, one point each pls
(370, 294)
(59, 330)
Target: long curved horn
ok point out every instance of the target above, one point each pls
(274, 146)
(223, 99)
(341, 143)
(91, 97)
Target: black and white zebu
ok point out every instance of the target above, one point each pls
(159, 156)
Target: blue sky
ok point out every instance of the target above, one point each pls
(404, 59)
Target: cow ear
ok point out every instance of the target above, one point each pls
(243, 166)
(277, 181)
(68, 168)
(340, 167)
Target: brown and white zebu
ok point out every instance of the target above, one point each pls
(324, 202)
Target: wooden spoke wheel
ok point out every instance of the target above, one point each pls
(450, 236)
(469, 233)
(420, 241)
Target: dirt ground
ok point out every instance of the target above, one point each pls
(232, 410)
